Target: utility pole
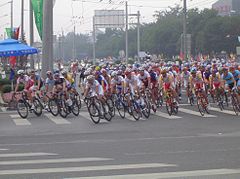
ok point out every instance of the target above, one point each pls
(138, 35)
(184, 28)
(31, 35)
(94, 38)
(126, 55)
(47, 46)
(63, 53)
(22, 21)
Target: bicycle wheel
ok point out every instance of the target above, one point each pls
(111, 107)
(235, 105)
(168, 107)
(107, 112)
(22, 109)
(37, 107)
(220, 102)
(135, 111)
(79, 102)
(94, 112)
(62, 106)
(146, 108)
(120, 107)
(75, 108)
(200, 106)
(53, 107)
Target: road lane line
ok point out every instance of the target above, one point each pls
(21, 122)
(3, 109)
(164, 115)
(57, 120)
(169, 175)
(195, 113)
(26, 154)
(223, 111)
(84, 168)
(4, 149)
(14, 116)
(47, 161)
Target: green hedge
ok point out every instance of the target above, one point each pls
(5, 82)
(8, 88)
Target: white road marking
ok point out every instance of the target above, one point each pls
(25, 154)
(164, 115)
(3, 109)
(223, 111)
(84, 168)
(57, 120)
(167, 175)
(19, 121)
(195, 113)
(86, 115)
(60, 160)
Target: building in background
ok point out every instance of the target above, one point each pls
(227, 7)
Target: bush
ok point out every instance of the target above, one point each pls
(6, 88)
(5, 82)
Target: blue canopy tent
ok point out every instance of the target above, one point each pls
(11, 47)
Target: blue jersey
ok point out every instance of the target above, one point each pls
(228, 78)
(236, 75)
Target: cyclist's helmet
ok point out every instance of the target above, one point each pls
(49, 73)
(90, 78)
(20, 72)
(64, 72)
(114, 74)
(194, 70)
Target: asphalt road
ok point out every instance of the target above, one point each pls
(183, 146)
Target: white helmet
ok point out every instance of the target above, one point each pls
(20, 72)
(90, 78)
(114, 73)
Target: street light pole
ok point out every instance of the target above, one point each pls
(31, 35)
(138, 35)
(126, 32)
(11, 2)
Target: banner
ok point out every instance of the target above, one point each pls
(38, 13)
(14, 33)
(238, 38)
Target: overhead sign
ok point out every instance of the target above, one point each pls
(109, 18)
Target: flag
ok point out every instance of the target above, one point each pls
(9, 32)
(238, 38)
(38, 13)
(13, 61)
(16, 33)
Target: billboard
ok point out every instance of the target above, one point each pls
(109, 18)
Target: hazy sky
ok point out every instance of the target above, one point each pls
(82, 10)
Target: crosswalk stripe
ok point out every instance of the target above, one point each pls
(19, 121)
(47, 161)
(86, 115)
(164, 115)
(188, 111)
(169, 175)
(57, 120)
(223, 111)
(25, 154)
(3, 109)
(4, 149)
(84, 168)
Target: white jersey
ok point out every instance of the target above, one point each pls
(143, 77)
(93, 87)
(118, 81)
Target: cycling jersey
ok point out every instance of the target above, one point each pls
(92, 88)
(236, 74)
(228, 78)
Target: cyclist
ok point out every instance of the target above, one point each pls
(185, 79)
(228, 79)
(235, 73)
(197, 83)
(93, 88)
(28, 84)
(145, 78)
(215, 82)
(117, 83)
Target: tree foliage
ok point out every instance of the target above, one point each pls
(210, 34)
